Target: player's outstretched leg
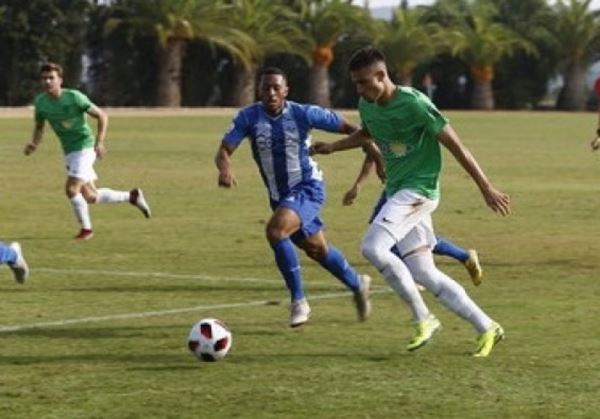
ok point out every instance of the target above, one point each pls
(336, 263)
(12, 255)
(469, 258)
(289, 266)
(135, 197)
(376, 248)
(82, 213)
(454, 298)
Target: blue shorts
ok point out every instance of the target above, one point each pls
(306, 200)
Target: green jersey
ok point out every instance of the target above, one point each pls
(405, 129)
(66, 115)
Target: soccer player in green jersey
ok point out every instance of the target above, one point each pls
(65, 110)
(408, 129)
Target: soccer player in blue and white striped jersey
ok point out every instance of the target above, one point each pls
(279, 135)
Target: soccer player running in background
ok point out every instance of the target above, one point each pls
(408, 129)
(596, 141)
(443, 247)
(12, 255)
(279, 134)
(65, 110)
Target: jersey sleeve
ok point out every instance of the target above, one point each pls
(237, 131)
(324, 119)
(427, 114)
(82, 101)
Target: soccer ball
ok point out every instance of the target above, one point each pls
(209, 340)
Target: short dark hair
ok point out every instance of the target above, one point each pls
(272, 71)
(364, 57)
(47, 67)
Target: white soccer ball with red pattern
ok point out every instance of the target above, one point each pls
(209, 340)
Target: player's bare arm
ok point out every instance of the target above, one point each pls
(495, 199)
(36, 138)
(223, 162)
(102, 118)
(354, 140)
(375, 155)
(348, 127)
(373, 159)
(365, 170)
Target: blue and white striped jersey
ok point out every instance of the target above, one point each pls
(280, 144)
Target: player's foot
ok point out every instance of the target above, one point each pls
(84, 234)
(361, 298)
(474, 268)
(299, 313)
(136, 197)
(487, 340)
(19, 266)
(424, 331)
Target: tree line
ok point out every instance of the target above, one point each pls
(479, 54)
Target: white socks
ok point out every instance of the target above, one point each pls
(82, 213)
(451, 294)
(376, 247)
(107, 196)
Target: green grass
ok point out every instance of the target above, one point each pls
(541, 266)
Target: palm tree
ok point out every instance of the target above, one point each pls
(269, 27)
(326, 22)
(482, 45)
(577, 33)
(172, 23)
(409, 41)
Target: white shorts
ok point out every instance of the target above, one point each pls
(407, 217)
(80, 164)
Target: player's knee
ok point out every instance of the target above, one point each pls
(275, 234)
(90, 198)
(71, 191)
(374, 253)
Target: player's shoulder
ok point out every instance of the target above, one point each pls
(250, 112)
(310, 111)
(409, 93)
(74, 93)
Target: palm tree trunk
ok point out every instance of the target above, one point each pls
(572, 96)
(482, 96)
(169, 73)
(319, 85)
(244, 89)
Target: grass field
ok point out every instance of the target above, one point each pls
(99, 330)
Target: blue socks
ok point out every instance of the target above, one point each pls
(447, 248)
(289, 266)
(338, 266)
(7, 255)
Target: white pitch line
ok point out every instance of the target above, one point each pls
(16, 328)
(152, 275)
